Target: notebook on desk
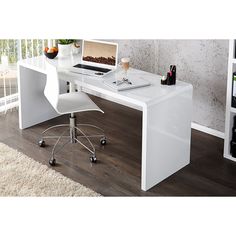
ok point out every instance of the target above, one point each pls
(98, 58)
(125, 85)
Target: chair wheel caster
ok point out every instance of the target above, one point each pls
(103, 141)
(93, 159)
(52, 162)
(41, 143)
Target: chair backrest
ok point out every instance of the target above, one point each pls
(52, 88)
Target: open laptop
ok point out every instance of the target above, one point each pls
(98, 58)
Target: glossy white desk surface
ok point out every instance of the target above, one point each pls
(166, 111)
(139, 96)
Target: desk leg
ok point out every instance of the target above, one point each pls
(33, 105)
(166, 138)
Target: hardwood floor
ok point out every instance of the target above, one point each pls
(118, 170)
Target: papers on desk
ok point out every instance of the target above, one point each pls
(123, 84)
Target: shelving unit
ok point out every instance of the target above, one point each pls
(233, 110)
(230, 111)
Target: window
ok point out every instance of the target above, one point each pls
(12, 50)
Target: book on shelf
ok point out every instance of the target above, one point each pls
(233, 104)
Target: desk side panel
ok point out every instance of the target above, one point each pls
(166, 137)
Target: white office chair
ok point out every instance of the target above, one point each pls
(69, 103)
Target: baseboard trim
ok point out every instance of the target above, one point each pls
(207, 130)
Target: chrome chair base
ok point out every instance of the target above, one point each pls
(75, 134)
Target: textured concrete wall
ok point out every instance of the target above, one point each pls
(203, 63)
(141, 52)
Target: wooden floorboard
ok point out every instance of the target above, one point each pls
(118, 170)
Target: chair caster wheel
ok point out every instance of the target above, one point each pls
(93, 159)
(52, 162)
(103, 141)
(41, 143)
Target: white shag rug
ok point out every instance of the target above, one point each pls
(22, 176)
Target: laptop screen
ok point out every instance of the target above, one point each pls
(100, 52)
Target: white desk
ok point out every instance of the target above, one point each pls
(166, 123)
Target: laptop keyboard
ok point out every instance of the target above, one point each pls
(94, 68)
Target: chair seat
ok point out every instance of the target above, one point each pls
(75, 102)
